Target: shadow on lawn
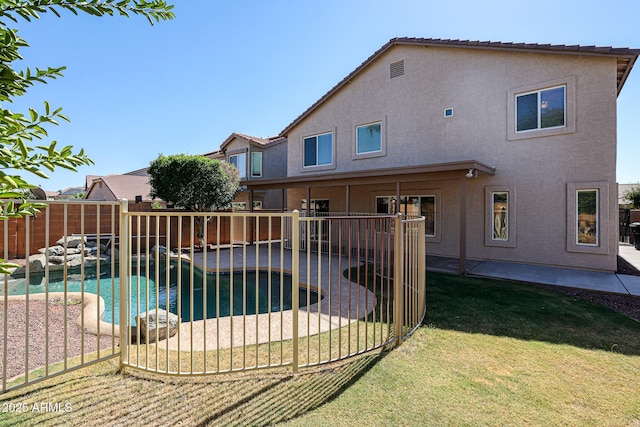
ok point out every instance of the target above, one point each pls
(517, 310)
(134, 398)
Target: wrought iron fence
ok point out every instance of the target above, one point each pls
(52, 318)
(192, 294)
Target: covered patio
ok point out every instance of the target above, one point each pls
(349, 192)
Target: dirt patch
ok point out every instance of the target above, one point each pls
(628, 305)
(41, 354)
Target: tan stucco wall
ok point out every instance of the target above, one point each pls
(478, 85)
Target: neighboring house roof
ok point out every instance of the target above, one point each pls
(138, 172)
(214, 154)
(89, 180)
(50, 194)
(69, 193)
(626, 58)
(122, 187)
(260, 142)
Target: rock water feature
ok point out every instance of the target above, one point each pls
(72, 252)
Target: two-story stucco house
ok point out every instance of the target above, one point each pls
(509, 150)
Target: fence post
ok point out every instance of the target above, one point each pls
(398, 286)
(295, 282)
(124, 281)
(422, 266)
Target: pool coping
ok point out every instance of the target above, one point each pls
(245, 330)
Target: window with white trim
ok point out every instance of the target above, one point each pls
(256, 164)
(588, 227)
(318, 150)
(369, 138)
(587, 217)
(541, 109)
(240, 162)
(500, 215)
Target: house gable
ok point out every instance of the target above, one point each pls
(474, 85)
(625, 60)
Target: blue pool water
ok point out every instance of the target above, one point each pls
(258, 296)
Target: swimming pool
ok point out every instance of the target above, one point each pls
(260, 295)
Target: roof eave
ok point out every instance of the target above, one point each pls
(627, 71)
(379, 175)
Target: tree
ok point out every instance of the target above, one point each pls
(634, 196)
(194, 183)
(19, 132)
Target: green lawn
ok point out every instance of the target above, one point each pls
(500, 353)
(490, 353)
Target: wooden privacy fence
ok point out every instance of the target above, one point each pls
(90, 218)
(272, 290)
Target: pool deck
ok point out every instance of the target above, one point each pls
(344, 301)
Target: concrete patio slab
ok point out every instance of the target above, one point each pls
(631, 283)
(567, 277)
(596, 281)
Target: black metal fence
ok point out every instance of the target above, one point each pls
(625, 231)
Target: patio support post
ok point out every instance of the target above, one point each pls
(124, 336)
(295, 283)
(398, 285)
(398, 197)
(463, 226)
(347, 198)
(308, 202)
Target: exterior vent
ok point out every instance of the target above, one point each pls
(397, 69)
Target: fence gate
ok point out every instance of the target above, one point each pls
(625, 220)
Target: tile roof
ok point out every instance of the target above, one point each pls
(263, 142)
(71, 191)
(126, 186)
(626, 58)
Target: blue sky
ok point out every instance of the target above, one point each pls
(133, 91)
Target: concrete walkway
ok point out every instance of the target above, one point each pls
(573, 278)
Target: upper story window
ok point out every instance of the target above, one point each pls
(369, 138)
(318, 150)
(256, 163)
(541, 109)
(240, 162)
